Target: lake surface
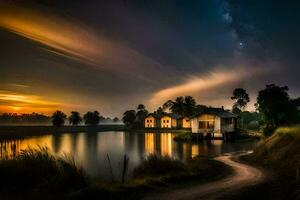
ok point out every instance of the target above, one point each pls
(90, 150)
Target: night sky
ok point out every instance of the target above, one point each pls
(112, 55)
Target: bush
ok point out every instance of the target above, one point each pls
(155, 165)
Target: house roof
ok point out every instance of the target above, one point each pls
(172, 115)
(220, 112)
(158, 116)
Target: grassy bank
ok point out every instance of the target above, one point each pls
(36, 174)
(279, 154)
(238, 135)
(158, 174)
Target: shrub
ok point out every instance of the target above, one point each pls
(155, 165)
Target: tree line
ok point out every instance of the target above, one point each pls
(58, 118)
(273, 108)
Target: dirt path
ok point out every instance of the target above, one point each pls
(243, 175)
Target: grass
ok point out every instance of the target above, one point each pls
(159, 173)
(36, 172)
(186, 136)
(280, 154)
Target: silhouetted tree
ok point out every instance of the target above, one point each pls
(189, 106)
(33, 118)
(241, 98)
(75, 118)
(129, 118)
(140, 115)
(58, 118)
(236, 110)
(115, 119)
(159, 111)
(276, 107)
(185, 106)
(92, 118)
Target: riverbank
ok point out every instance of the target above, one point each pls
(51, 177)
(243, 175)
(238, 135)
(279, 154)
(22, 131)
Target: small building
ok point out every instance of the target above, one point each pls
(185, 122)
(166, 120)
(152, 121)
(214, 121)
(169, 120)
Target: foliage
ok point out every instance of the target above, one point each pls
(92, 118)
(129, 117)
(37, 170)
(140, 115)
(115, 119)
(249, 120)
(75, 118)
(276, 107)
(241, 98)
(33, 118)
(155, 165)
(166, 170)
(184, 106)
(58, 118)
(159, 111)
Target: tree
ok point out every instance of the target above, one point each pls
(189, 106)
(58, 118)
(92, 118)
(75, 118)
(115, 119)
(141, 115)
(129, 117)
(184, 106)
(276, 107)
(241, 98)
(159, 111)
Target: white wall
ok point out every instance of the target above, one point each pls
(194, 125)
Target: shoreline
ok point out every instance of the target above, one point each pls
(21, 130)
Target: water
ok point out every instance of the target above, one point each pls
(90, 150)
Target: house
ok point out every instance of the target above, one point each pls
(214, 121)
(152, 121)
(169, 120)
(185, 122)
(166, 120)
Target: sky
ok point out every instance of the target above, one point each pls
(112, 55)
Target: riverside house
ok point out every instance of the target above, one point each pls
(215, 122)
(166, 120)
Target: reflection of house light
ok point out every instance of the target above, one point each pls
(195, 150)
(149, 143)
(166, 144)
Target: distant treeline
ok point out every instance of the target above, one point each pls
(40, 119)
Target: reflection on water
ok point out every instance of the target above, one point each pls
(91, 149)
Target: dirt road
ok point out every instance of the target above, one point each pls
(243, 175)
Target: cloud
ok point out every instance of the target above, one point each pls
(18, 102)
(206, 83)
(69, 38)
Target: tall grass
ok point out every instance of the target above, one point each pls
(170, 170)
(156, 165)
(39, 170)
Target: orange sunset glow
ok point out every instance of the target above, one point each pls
(21, 103)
